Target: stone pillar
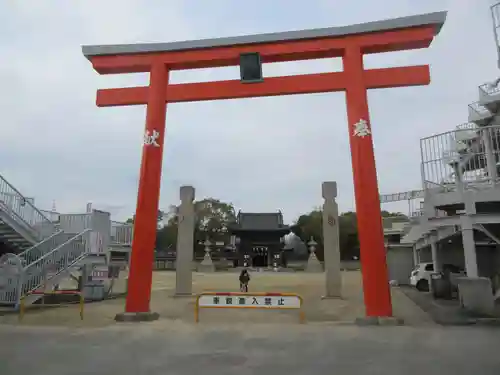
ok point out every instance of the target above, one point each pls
(206, 264)
(276, 262)
(434, 251)
(476, 295)
(185, 242)
(246, 260)
(415, 255)
(491, 164)
(331, 240)
(313, 264)
(469, 246)
(468, 242)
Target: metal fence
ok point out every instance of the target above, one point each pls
(22, 210)
(468, 154)
(122, 233)
(479, 110)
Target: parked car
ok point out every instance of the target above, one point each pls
(420, 276)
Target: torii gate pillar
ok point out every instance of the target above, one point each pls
(350, 43)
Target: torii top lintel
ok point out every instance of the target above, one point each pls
(395, 34)
(382, 36)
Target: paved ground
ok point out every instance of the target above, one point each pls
(291, 349)
(447, 312)
(309, 285)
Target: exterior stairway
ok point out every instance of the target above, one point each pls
(13, 239)
(39, 253)
(460, 172)
(22, 225)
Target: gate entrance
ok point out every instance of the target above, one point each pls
(350, 42)
(260, 255)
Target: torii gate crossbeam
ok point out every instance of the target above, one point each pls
(350, 43)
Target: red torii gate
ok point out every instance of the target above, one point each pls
(350, 43)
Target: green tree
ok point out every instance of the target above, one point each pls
(311, 225)
(394, 214)
(212, 220)
(308, 226)
(166, 237)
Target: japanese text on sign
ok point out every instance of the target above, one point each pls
(151, 139)
(361, 129)
(277, 302)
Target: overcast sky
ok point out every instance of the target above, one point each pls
(261, 154)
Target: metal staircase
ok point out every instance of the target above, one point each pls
(22, 225)
(40, 253)
(13, 239)
(45, 272)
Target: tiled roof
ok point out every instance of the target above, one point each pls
(261, 221)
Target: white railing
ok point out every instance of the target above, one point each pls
(51, 215)
(122, 233)
(489, 89)
(99, 223)
(467, 126)
(403, 196)
(43, 270)
(44, 247)
(75, 223)
(11, 269)
(22, 210)
(53, 263)
(471, 151)
(479, 109)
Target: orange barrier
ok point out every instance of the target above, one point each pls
(238, 300)
(22, 305)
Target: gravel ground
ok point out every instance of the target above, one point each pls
(309, 286)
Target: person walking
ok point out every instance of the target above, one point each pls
(244, 279)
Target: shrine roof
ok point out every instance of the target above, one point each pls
(252, 221)
(435, 19)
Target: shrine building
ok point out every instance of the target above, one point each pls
(259, 239)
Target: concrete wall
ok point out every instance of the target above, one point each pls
(488, 260)
(451, 254)
(400, 263)
(446, 254)
(424, 255)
